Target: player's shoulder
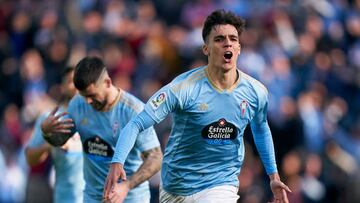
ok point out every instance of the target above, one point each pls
(253, 84)
(188, 79)
(77, 104)
(130, 101)
(76, 100)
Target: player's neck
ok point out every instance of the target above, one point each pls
(222, 80)
(113, 97)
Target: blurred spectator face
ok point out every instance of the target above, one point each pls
(92, 22)
(58, 51)
(222, 46)
(288, 107)
(291, 164)
(322, 61)
(313, 165)
(123, 82)
(315, 26)
(353, 25)
(32, 66)
(67, 87)
(307, 44)
(336, 30)
(49, 19)
(281, 65)
(146, 11)
(21, 22)
(11, 114)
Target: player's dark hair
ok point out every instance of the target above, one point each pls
(87, 72)
(222, 17)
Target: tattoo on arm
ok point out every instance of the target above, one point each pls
(151, 165)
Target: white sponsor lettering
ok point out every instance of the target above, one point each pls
(97, 148)
(220, 133)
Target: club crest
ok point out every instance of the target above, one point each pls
(243, 107)
(115, 127)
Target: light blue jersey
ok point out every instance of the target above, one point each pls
(69, 181)
(99, 133)
(205, 147)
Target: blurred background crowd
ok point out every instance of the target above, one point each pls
(307, 53)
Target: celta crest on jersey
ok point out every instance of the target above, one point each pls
(220, 132)
(243, 107)
(115, 127)
(158, 100)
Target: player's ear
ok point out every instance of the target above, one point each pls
(108, 82)
(205, 50)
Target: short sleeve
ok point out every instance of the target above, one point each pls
(37, 139)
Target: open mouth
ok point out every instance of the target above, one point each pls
(228, 55)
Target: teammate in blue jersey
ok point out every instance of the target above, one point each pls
(99, 113)
(67, 159)
(211, 106)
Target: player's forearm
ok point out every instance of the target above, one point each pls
(37, 155)
(151, 165)
(128, 135)
(264, 144)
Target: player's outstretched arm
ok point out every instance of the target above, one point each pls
(57, 129)
(151, 165)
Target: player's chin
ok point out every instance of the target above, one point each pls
(228, 66)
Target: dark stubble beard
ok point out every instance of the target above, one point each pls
(99, 106)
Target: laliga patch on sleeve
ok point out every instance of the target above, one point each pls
(158, 100)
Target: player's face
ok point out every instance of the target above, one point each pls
(222, 47)
(96, 96)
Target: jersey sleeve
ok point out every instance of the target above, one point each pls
(37, 139)
(262, 134)
(147, 140)
(129, 135)
(162, 103)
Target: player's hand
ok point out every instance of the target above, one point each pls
(279, 190)
(119, 192)
(73, 144)
(54, 124)
(115, 173)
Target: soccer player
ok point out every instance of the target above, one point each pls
(211, 106)
(67, 159)
(99, 113)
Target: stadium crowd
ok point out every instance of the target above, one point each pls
(306, 52)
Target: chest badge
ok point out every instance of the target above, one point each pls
(115, 127)
(243, 107)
